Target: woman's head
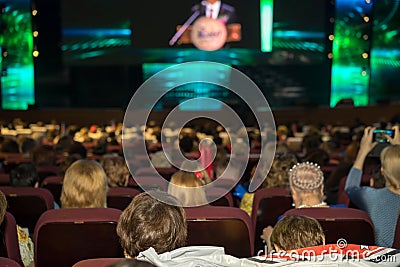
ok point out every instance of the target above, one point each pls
(278, 175)
(306, 182)
(148, 222)
(187, 187)
(116, 170)
(390, 160)
(295, 232)
(84, 186)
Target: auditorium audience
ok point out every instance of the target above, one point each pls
(24, 241)
(382, 204)
(84, 186)
(187, 188)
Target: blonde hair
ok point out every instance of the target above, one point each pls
(390, 160)
(186, 187)
(84, 186)
(295, 232)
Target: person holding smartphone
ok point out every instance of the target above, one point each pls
(382, 204)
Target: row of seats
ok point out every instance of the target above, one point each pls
(65, 236)
(268, 205)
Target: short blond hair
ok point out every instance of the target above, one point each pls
(390, 160)
(84, 186)
(186, 187)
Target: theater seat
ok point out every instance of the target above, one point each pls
(54, 185)
(26, 204)
(396, 242)
(65, 236)
(353, 225)
(227, 227)
(100, 262)
(120, 197)
(10, 246)
(225, 200)
(268, 205)
(5, 262)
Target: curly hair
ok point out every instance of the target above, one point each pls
(116, 170)
(278, 175)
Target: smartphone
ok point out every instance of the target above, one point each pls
(379, 135)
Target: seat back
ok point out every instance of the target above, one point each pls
(6, 262)
(26, 204)
(268, 205)
(54, 185)
(396, 241)
(4, 179)
(9, 243)
(120, 197)
(100, 262)
(152, 182)
(227, 227)
(353, 225)
(226, 199)
(65, 236)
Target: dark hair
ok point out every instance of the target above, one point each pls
(43, 155)
(27, 145)
(25, 175)
(9, 146)
(77, 148)
(148, 222)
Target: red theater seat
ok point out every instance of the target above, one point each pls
(10, 247)
(26, 204)
(65, 236)
(227, 227)
(268, 205)
(353, 225)
(120, 197)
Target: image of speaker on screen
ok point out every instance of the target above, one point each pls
(211, 26)
(216, 9)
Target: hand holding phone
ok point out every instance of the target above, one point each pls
(379, 136)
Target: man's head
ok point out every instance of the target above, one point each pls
(148, 222)
(295, 232)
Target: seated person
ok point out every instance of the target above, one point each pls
(306, 184)
(300, 241)
(116, 170)
(186, 187)
(382, 204)
(295, 232)
(148, 222)
(84, 186)
(25, 175)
